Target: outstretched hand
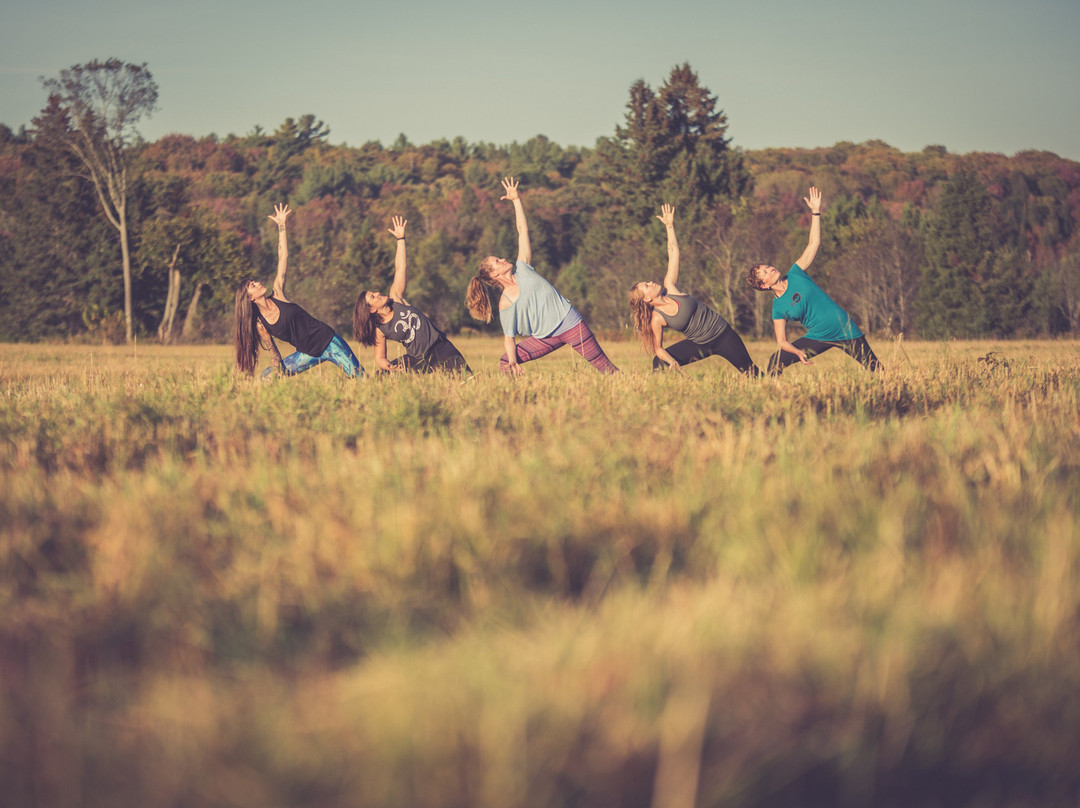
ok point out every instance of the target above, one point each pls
(814, 200)
(667, 215)
(511, 189)
(398, 230)
(281, 213)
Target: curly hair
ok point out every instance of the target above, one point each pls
(752, 277)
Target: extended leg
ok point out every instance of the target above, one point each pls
(529, 349)
(580, 338)
(781, 359)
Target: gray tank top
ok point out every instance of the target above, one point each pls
(412, 328)
(697, 322)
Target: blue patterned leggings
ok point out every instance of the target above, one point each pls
(337, 352)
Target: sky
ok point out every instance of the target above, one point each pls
(970, 75)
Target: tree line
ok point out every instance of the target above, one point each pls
(105, 236)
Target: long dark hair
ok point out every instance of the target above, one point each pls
(364, 321)
(246, 333)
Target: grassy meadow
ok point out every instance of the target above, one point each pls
(831, 588)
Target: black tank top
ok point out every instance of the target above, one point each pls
(298, 328)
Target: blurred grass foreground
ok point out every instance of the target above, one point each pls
(562, 590)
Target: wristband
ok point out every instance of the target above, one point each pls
(402, 238)
(815, 214)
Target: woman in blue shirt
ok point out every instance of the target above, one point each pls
(798, 298)
(529, 306)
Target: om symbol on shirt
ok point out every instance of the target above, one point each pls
(408, 323)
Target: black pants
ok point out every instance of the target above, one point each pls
(440, 356)
(728, 345)
(859, 349)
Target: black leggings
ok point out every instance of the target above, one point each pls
(858, 349)
(728, 345)
(440, 356)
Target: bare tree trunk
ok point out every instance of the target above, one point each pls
(172, 300)
(126, 256)
(726, 265)
(189, 318)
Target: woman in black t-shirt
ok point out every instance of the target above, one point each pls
(378, 317)
(260, 317)
(657, 307)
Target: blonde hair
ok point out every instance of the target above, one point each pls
(641, 315)
(476, 297)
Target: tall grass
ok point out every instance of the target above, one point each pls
(566, 589)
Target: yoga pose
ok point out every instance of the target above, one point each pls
(377, 318)
(798, 298)
(260, 317)
(530, 306)
(656, 307)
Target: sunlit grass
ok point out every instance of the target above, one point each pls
(827, 588)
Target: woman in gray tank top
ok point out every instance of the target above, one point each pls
(656, 307)
(378, 318)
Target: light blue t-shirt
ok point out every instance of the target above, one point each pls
(539, 308)
(807, 303)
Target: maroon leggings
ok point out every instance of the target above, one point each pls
(578, 337)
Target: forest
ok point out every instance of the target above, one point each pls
(929, 244)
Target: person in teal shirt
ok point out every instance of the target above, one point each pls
(798, 298)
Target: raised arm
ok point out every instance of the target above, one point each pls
(524, 248)
(780, 327)
(397, 288)
(814, 203)
(671, 279)
(281, 213)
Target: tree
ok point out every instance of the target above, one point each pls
(104, 102)
(280, 169)
(193, 244)
(673, 147)
(959, 250)
(55, 273)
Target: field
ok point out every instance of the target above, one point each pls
(830, 588)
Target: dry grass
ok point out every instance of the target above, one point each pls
(830, 588)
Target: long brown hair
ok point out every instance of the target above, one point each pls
(246, 334)
(641, 315)
(364, 321)
(476, 298)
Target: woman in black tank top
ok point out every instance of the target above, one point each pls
(657, 307)
(378, 318)
(260, 317)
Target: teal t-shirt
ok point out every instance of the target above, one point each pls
(806, 302)
(539, 308)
